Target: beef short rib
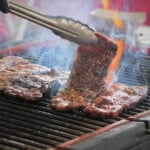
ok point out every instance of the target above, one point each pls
(112, 102)
(87, 92)
(91, 66)
(22, 79)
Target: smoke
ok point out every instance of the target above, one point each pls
(77, 9)
(133, 67)
(58, 56)
(60, 53)
(132, 70)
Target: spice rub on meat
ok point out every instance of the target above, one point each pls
(110, 103)
(22, 79)
(87, 91)
(115, 99)
(91, 66)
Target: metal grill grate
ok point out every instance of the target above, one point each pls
(134, 69)
(37, 126)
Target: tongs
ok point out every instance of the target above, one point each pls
(66, 28)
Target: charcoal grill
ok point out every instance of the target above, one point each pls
(37, 126)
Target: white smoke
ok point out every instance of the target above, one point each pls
(60, 53)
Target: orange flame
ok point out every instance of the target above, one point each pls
(105, 4)
(115, 62)
(117, 21)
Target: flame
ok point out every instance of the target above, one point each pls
(115, 62)
(117, 21)
(105, 4)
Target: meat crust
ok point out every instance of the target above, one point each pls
(87, 92)
(22, 79)
(112, 102)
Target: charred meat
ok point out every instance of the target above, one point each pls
(22, 79)
(87, 91)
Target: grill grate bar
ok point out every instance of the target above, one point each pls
(4, 147)
(132, 112)
(125, 115)
(43, 116)
(9, 130)
(24, 123)
(142, 76)
(130, 72)
(131, 82)
(27, 128)
(46, 123)
(145, 104)
(143, 107)
(32, 144)
(49, 112)
(108, 121)
(15, 145)
(138, 110)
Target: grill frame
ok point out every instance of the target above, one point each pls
(108, 128)
(82, 128)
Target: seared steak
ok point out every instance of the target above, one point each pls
(87, 91)
(20, 78)
(114, 99)
(91, 66)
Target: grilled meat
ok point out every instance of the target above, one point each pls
(112, 102)
(11, 61)
(116, 98)
(91, 66)
(22, 79)
(87, 92)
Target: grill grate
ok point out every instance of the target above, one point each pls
(37, 126)
(134, 69)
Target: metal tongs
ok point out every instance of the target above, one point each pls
(64, 27)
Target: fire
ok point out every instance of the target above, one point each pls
(105, 4)
(117, 21)
(115, 62)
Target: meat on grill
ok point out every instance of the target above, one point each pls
(114, 99)
(87, 92)
(90, 66)
(11, 61)
(22, 79)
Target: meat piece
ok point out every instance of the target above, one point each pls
(25, 80)
(34, 69)
(112, 102)
(87, 92)
(11, 61)
(91, 66)
(72, 99)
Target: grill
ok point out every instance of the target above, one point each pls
(29, 126)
